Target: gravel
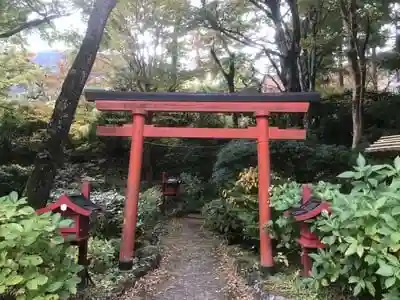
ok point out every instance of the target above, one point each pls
(191, 268)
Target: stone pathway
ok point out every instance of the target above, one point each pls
(191, 269)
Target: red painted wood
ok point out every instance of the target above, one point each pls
(164, 177)
(306, 194)
(306, 262)
(312, 214)
(182, 106)
(64, 200)
(86, 189)
(311, 244)
(133, 188)
(263, 193)
(202, 133)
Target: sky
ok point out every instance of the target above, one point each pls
(73, 22)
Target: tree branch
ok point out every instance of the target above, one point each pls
(275, 66)
(27, 25)
(217, 61)
(367, 37)
(276, 83)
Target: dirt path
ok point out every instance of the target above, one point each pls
(191, 269)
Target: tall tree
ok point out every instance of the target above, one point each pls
(361, 21)
(147, 37)
(301, 42)
(50, 156)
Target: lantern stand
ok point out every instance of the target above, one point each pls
(310, 209)
(170, 187)
(79, 209)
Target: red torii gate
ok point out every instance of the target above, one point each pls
(140, 104)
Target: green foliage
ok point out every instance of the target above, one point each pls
(149, 208)
(17, 69)
(298, 160)
(192, 193)
(18, 17)
(330, 120)
(362, 233)
(20, 129)
(102, 255)
(35, 263)
(13, 178)
(235, 213)
(109, 224)
(231, 159)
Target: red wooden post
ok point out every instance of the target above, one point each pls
(263, 191)
(86, 188)
(306, 193)
(132, 194)
(164, 177)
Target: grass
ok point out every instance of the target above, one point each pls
(288, 284)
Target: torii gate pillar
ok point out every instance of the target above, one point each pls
(264, 210)
(132, 191)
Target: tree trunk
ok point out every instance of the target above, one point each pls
(229, 75)
(374, 70)
(231, 88)
(340, 65)
(50, 156)
(357, 96)
(356, 54)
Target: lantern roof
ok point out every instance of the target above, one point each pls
(81, 201)
(77, 203)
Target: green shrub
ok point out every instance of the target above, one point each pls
(298, 160)
(102, 255)
(191, 196)
(149, 209)
(362, 233)
(330, 119)
(307, 162)
(235, 213)
(231, 159)
(35, 263)
(221, 216)
(13, 178)
(109, 224)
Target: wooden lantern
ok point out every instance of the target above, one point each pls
(170, 185)
(77, 208)
(310, 209)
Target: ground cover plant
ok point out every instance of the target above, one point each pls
(362, 233)
(35, 263)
